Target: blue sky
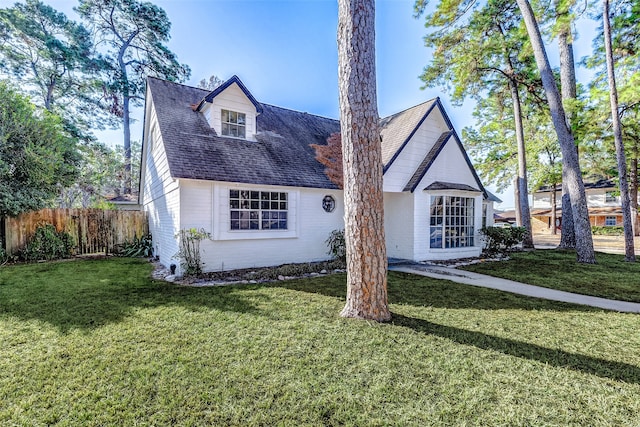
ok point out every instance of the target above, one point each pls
(285, 52)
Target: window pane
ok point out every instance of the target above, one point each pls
(233, 117)
(235, 224)
(241, 119)
(225, 130)
(255, 204)
(234, 194)
(225, 116)
(241, 133)
(436, 237)
(234, 204)
(283, 206)
(235, 215)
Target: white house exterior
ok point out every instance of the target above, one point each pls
(245, 172)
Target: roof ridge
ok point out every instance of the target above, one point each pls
(410, 108)
(300, 112)
(177, 83)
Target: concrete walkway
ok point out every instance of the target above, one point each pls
(482, 280)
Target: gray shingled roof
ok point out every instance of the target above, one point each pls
(439, 185)
(281, 156)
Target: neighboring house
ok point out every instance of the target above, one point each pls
(603, 202)
(245, 172)
(125, 202)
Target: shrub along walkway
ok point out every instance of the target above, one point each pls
(482, 280)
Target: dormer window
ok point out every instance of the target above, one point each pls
(234, 124)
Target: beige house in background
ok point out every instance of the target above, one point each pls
(603, 201)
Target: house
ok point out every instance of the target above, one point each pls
(244, 171)
(603, 203)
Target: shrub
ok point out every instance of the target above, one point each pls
(138, 247)
(501, 240)
(47, 243)
(337, 246)
(4, 257)
(189, 253)
(607, 231)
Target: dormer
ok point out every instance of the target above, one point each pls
(231, 110)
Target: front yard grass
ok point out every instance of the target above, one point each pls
(611, 277)
(97, 342)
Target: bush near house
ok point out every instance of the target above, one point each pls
(501, 240)
(607, 231)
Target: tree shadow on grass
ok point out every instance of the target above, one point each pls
(618, 371)
(87, 294)
(420, 291)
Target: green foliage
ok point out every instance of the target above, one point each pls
(47, 244)
(54, 60)
(337, 246)
(137, 247)
(4, 257)
(36, 155)
(100, 175)
(501, 240)
(607, 231)
(135, 33)
(189, 253)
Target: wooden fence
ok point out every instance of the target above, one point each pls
(93, 230)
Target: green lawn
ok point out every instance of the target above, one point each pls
(99, 343)
(611, 277)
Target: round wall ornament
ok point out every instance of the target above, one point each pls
(328, 203)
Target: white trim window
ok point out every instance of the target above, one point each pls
(610, 197)
(234, 124)
(610, 221)
(452, 222)
(258, 210)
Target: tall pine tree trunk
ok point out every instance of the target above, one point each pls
(554, 210)
(575, 186)
(633, 185)
(362, 160)
(521, 181)
(126, 118)
(629, 252)
(569, 92)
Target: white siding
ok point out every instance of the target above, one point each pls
(205, 205)
(543, 200)
(404, 166)
(449, 166)
(398, 224)
(233, 99)
(160, 194)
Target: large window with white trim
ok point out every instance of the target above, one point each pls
(452, 222)
(234, 124)
(258, 210)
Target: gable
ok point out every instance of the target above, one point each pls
(231, 99)
(450, 166)
(400, 165)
